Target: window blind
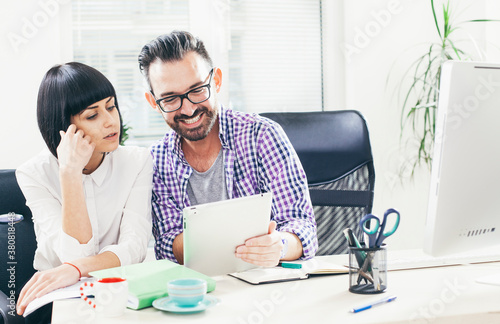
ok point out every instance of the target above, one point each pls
(109, 36)
(274, 58)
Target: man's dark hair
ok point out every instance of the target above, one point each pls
(65, 91)
(169, 48)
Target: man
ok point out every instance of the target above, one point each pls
(214, 153)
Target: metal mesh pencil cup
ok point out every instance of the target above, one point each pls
(367, 270)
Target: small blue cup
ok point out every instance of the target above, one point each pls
(187, 292)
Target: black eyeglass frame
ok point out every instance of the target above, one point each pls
(185, 95)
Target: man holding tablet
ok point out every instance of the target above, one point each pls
(214, 153)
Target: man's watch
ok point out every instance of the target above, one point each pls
(285, 247)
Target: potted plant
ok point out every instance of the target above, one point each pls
(420, 99)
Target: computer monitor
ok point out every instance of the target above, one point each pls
(464, 198)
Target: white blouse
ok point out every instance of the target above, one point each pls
(118, 198)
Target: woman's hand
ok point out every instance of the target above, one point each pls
(74, 153)
(46, 281)
(75, 150)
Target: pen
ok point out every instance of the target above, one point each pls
(368, 306)
(351, 239)
(291, 265)
(353, 242)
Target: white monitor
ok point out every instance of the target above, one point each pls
(464, 199)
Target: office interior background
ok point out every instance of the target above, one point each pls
(276, 55)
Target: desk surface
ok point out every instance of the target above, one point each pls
(437, 295)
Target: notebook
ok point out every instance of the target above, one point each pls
(147, 281)
(315, 266)
(72, 291)
(213, 231)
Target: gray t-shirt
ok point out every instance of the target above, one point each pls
(208, 186)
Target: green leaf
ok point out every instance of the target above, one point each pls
(418, 89)
(435, 19)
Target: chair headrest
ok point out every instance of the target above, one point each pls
(329, 144)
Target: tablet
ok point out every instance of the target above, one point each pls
(213, 231)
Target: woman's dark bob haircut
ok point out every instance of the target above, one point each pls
(65, 91)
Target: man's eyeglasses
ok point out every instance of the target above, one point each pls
(196, 95)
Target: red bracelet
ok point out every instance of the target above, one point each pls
(74, 266)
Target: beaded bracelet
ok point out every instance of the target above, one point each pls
(74, 266)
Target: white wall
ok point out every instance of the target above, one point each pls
(382, 38)
(30, 44)
(399, 30)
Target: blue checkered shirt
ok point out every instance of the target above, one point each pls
(258, 158)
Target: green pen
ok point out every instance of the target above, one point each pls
(291, 265)
(353, 242)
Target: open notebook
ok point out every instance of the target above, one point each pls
(72, 291)
(278, 274)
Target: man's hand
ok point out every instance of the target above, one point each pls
(262, 250)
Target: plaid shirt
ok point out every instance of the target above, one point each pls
(258, 158)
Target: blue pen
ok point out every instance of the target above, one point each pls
(368, 306)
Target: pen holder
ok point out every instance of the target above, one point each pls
(367, 270)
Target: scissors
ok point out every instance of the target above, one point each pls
(376, 233)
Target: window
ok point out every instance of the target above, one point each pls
(109, 36)
(275, 59)
(274, 55)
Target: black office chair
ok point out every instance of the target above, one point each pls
(18, 237)
(334, 149)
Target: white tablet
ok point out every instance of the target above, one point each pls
(213, 231)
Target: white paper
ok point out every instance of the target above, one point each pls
(61, 293)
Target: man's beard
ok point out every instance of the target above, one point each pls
(200, 132)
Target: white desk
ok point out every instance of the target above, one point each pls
(434, 295)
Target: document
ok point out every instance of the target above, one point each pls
(72, 291)
(278, 274)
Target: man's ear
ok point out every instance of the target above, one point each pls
(152, 101)
(218, 79)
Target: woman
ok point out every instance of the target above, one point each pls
(90, 198)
